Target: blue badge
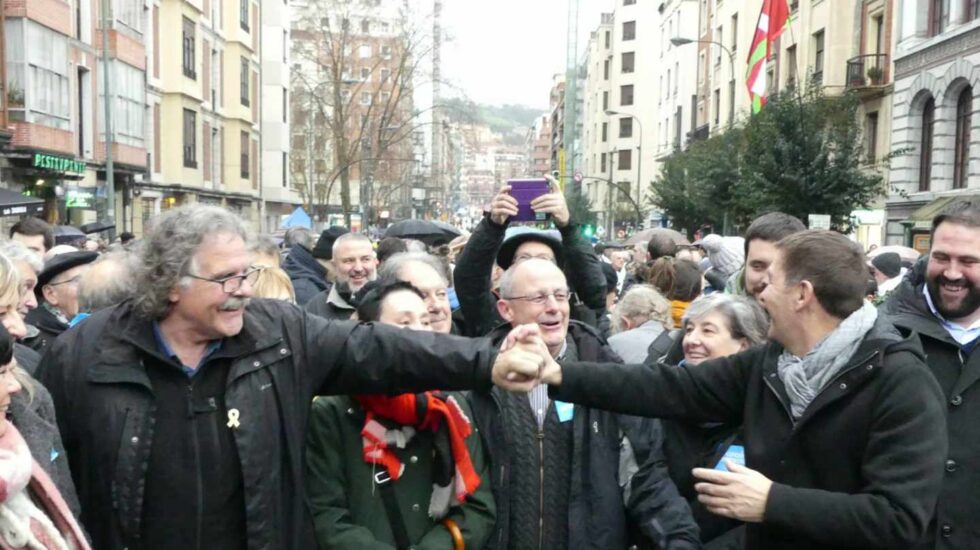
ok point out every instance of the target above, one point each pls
(735, 453)
(565, 411)
(54, 454)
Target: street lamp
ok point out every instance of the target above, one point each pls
(681, 41)
(639, 152)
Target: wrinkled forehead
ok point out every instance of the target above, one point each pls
(536, 249)
(536, 276)
(422, 276)
(354, 249)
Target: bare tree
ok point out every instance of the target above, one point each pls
(352, 98)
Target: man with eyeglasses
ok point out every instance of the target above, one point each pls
(494, 239)
(57, 295)
(566, 476)
(184, 409)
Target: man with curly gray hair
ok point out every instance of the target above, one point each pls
(184, 410)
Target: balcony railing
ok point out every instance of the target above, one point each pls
(866, 71)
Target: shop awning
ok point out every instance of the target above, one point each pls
(922, 218)
(15, 204)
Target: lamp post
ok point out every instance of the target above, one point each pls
(639, 153)
(680, 41)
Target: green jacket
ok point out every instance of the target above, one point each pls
(347, 509)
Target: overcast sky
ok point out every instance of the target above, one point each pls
(507, 51)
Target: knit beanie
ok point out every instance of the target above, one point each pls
(888, 263)
(324, 245)
(727, 254)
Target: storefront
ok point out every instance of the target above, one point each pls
(918, 226)
(49, 178)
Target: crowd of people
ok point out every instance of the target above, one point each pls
(516, 388)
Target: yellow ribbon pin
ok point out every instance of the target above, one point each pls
(233, 415)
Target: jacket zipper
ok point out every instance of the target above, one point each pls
(199, 521)
(541, 488)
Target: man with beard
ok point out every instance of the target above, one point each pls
(355, 263)
(944, 311)
(760, 249)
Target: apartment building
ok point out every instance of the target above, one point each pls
(203, 95)
(53, 109)
(537, 146)
(352, 106)
(278, 196)
(936, 82)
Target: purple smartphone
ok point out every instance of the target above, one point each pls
(525, 191)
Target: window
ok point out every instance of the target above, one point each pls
(602, 163)
(717, 105)
(871, 136)
(365, 98)
(961, 156)
(974, 9)
(939, 12)
(128, 109)
(285, 103)
(629, 30)
(605, 130)
(925, 144)
(365, 74)
(385, 75)
(385, 28)
(605, 101)
(608, 39)
(626, 127)
(625, 160)
(190, 138)
(130, 14)
(245, 70)
(605, 70)
(629, 2)
(626, 62)
(188, 49)
(626, 95)
(791, 65)
(364, 51)
(285, 166)
(731, 100)
(818, 56)
(243, 14)
(385, 97)
(365, 26)
(38, 88)
(734, 43)
(719, 32)
(246, 143)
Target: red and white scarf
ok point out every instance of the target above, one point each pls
(423, 411)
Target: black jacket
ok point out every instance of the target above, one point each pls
(474, 268)
(307, 275)
(860, 469)
(955, 523)
(106, 409)
(329, 305)
(597, 516)
(48, 325)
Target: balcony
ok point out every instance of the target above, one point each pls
(867, 71)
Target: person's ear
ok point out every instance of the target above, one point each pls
(503, 308)
(627, 323)
(804, 294)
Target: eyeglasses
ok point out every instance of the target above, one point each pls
(525, 256)
(231, 284)
(73, 280)
(539, 299)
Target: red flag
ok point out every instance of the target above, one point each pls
(773, 20)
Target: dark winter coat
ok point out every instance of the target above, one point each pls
(48, 325)
(955, 525)
(330, 305)
(860, 469)
(348, 511)
(474, 269)
(32, 412)
(307, 275)
(598, 517)
(282, 357)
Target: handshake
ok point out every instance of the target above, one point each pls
(524, 361)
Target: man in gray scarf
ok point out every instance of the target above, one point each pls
(843, 426)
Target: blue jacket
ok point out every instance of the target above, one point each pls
(307, 275)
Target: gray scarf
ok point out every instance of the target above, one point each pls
(804, 378)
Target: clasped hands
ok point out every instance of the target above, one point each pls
(524, 361)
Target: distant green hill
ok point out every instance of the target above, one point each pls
(503, 119)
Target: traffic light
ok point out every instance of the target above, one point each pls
(588, 230)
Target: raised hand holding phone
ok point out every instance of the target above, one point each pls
(503, 206)
(553, 203)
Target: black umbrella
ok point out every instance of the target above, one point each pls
(96, 227)
(451, 231)
(414, 229)
(66, 234)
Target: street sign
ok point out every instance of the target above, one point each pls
(578, 176)
(819, 221)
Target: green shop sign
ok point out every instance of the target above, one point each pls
(58, 164)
